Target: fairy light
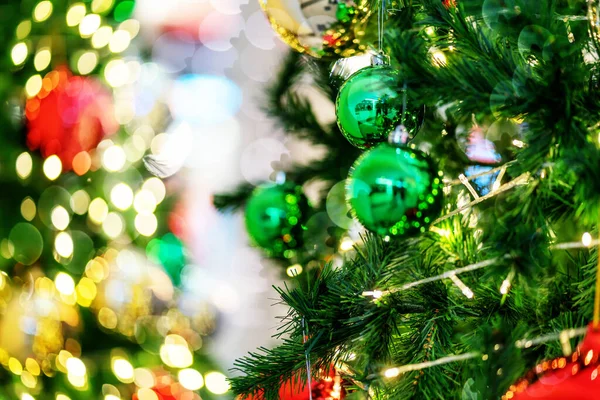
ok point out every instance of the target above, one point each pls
(87, 62)
(24, 165)
(114, 158)
(147, 394)
(518, 143)
(42, 11)
(175, 352)
(190, 379)
(75, 14)
(586, 239)
(42, 59)
(121, 196)
(144, 378)
(216, 382)
(101, 37)
(89, 24)
(391, 372)
(63, 244)
(505, 287)
(439, 58)
(294, 270)
(144, 202)
(28, 209)
(119, 41)
(23, 29)
(113, 225)
(155, 186)
(33, 85)
(100, 6)
(132, 26)
(122, 369)
(52, 167)
(346, 244)
(98, 210)
(464, 288)
(64, 283)
(76, 372)
(60, 218)
(19, 53)
(80, 202)
(116, 73)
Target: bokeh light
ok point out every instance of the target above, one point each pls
(114, 158)
(63, 244)
(119, 41)
(89, 25)
(144, 202)
(80, 202)
(116, 73)
(101, 6)
(87, 62)
(42, 11)
(102, 37)
(146, 224)
(60, 218)
(25, 243)
(75, 14)
(113, 225)
(33, 85)
(155, 186)
(175, 352)
(24, 165)
(28, 208)
(52, 167)
(98, 210)
(82, 162)
(64, 283)
(122, 369)
(19, 53)
(23, 29)
(42, 59)
(216, 382)
(121, 196)
(190, 379)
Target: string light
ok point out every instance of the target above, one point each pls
(155, 186)
(114, 158)
(146, 224)
(116, 73)
(42, 59)
(87, 62)
(19, 53)
(24, 165)
(294, 270)
(216, 383)
(52, 167)
(122, 369)
(64, 283)
(346, 244)
(121, 196)
(89, 24)
(33, 85)
(60, 218)
(190, 379)
(586, 239)
(42, 11)
(464, 288)
(102, 37)
(98, 210)
(119, 41)
(75, 14)
(63, 244)
(113, 225)
(144, 202)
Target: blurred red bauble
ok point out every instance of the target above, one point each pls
(573, 377)
(70, 115)
(449, 3)
(324, 388)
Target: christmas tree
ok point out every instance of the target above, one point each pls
(91, 250)
(476, 282)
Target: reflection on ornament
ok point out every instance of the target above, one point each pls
(369, 106)
(274, 216)
(571, 377)
(343, 68)
(320, 28)
(70, 114)
(394, 190)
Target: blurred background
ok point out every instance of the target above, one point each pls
(123, 118)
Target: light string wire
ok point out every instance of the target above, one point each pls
(307, 357)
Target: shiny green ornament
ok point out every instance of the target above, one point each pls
(274, 215)
(394, 190)
(369, 106)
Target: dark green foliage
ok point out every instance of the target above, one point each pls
(513, 59)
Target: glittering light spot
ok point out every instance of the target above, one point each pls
(33, 85)
(100, 6)
(391, 372)
(52, 167)
(42, 11)
(146, 224)
(505, 286)
(23, 30)
(107, 318)
(116, 73)
(216, 382)
(82, 162)
(87, 62)
(76, 372)
(60, 218)
(27, 396)
(114, 158)
(75, 14)
(98, 210)
(155, 186)
(144, 202)
(24, 165)
(113, 225)
(28, 379)
(101, 37)
(132, 26)
(15, 366)
(439, 58)
(42, 59)
(122, 369)
(144, 378)
(64, 283)
(86, 292)
(586, 239)
(28, 208)
(89, 24)
(347, 244)
(147, 394)
(61, 396)
(294, 270)
(80, 201)
(119, 41)
(121, 196)
(19, 53)
(175, 352)
(190, 379)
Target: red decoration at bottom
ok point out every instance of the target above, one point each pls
(327, 388)
(573, 377)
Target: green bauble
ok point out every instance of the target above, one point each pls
(274, 216)
(394, 190)
(369, 107)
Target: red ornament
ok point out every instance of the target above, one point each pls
(70, 115)
(574, 377)
(449, 3)
(325, 388)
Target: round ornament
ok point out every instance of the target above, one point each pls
(394, 190)
(320, 28)
(369, 106)
(573, 377)
(273, 218)
(327, 386)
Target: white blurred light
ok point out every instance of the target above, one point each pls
(60, 218)
(586, 239)
(217, 30)
(256, 160)
(63, 244)
(216, 382)
(188, 99)
(114, 158)
(119, 41)
(89, 24)
(121, 196)
(190, 379)
(64, 284)
(259, 32)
